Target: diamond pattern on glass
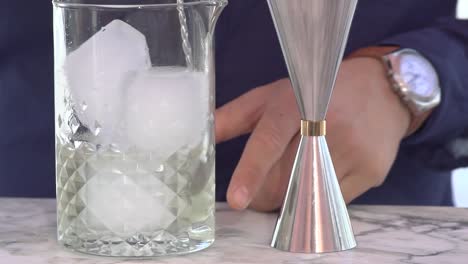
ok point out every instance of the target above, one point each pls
(112, 202)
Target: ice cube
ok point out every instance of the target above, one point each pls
(167, 109)
(127, 202)
(99, 72)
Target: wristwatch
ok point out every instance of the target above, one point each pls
(413, 78)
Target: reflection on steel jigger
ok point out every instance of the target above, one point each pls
(313, 33)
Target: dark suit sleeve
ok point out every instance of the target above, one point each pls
(446, 45)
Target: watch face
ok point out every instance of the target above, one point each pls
(419, 75)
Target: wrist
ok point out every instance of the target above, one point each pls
(399, 88)
(392, 112)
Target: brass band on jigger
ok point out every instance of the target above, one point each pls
(313, 128)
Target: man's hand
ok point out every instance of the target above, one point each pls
(366, 123)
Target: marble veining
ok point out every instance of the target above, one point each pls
(410, 235)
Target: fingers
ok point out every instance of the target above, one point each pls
(266, 145)
(357, 182)
(239, 117)
(352, 186)
(264, 148)
(270, 197)
(341, 157)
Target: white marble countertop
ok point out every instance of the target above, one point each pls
(384, 234)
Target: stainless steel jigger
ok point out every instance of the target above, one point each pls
(313, 33)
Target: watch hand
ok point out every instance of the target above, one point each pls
(414, 77)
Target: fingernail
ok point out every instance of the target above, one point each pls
(241, 197)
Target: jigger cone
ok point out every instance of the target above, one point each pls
(313, 34)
